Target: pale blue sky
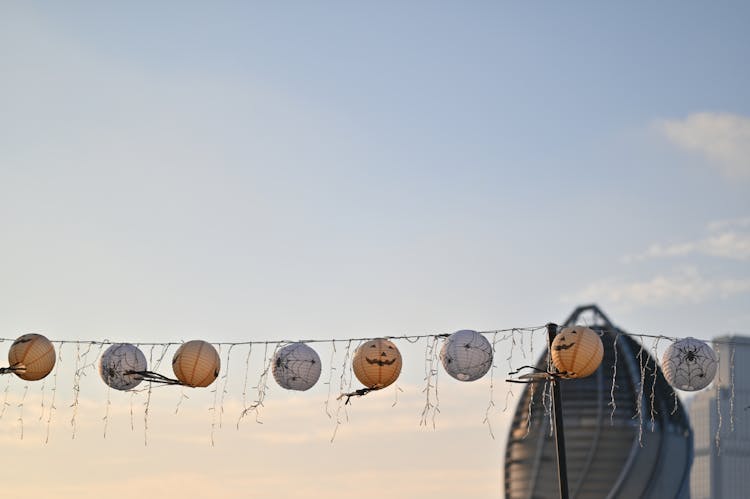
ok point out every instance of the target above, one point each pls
(233, 170)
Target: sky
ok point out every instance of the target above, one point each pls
(240, 171)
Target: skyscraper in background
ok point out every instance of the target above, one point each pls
(720, 418)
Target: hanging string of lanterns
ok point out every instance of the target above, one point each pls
(689, 364)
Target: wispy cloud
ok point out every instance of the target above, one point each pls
(685, 286)
(727, 240)
(733, 223)
(731, 245)
(722, 138)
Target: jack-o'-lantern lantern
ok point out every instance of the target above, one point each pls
(577, 351)
(377, 363)
(196, 363)
(32, 357)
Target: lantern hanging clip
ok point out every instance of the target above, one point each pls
(155, 377)
(537, 376)
(12, 369)
(356, 393)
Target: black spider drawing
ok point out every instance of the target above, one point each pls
(690, 353)
(692, 362)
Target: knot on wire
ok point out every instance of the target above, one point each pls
(356, 393)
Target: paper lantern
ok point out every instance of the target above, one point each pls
(377, 363)
(117, 364)
(466, 355)
(689, 364)
(577, 351)
(32, 356)
(196, 363)
(296, 367)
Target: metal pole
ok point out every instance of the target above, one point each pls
(562, 465)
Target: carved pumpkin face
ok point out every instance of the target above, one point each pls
(377, 363)
(577, 351)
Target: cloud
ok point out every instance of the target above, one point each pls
(722, 138)
(719, 225)
(730, 245)
(686, 286)
(727, 241)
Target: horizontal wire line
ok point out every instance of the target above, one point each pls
(414, 337)
(406, 337)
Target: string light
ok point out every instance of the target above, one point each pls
(521, 343)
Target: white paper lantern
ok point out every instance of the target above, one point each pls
(117, 361)
(466, 355)
(296, 367)
(689, 364)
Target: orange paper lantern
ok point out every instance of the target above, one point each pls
(377, 363)
(196, 363)
(32, 356)
(577, 351)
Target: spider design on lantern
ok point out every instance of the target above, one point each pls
(691, 354)
(689, 364)
(296, 367)
(466, 355)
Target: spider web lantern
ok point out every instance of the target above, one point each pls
(689, 364)
(296, 367)
(196, 363)
(377, 363)
(31, 357)
(466, 355)
(118, 365)
(577, 351)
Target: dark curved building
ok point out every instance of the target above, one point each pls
(612, 452)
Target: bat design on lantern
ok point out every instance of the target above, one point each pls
(579, 358)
